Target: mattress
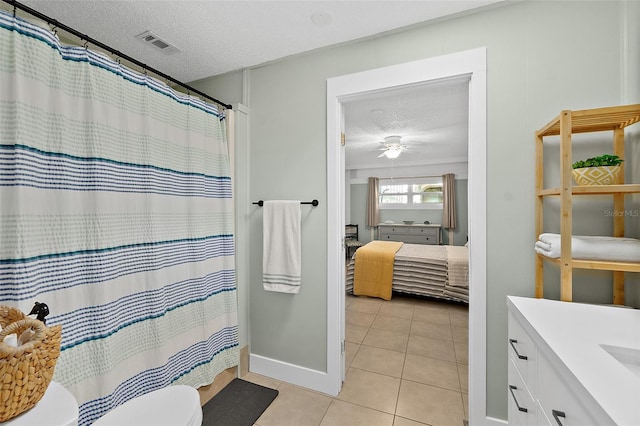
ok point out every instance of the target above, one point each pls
(427, 270)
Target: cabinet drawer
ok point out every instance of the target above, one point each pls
(431, 232)
(522, 407)
(411, 239)
(419, 239)
(395, 229)
(523, 353)
(557, 397)
(410, 230)
(542, 418)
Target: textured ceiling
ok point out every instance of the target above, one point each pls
(215, 37)
(432, 120)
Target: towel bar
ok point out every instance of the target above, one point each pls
(314, 203)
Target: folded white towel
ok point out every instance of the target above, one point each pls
(281, 254)
(547, 250)
(591, 247)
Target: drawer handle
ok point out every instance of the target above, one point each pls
(512, 341)
(557, 414)
(511, 389)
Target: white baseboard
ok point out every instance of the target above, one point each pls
(494, 421)
(290, 373)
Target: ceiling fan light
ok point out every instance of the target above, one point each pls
(392, 152)
(392, 140)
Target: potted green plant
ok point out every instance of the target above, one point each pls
(601, 170)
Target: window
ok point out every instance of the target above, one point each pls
(411, 193)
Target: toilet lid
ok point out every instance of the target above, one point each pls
(57, 407)
(173, 405)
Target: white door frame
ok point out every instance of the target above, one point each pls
(471, 63)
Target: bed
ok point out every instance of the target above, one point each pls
(427, 270)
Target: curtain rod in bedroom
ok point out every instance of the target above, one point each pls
(119, 54)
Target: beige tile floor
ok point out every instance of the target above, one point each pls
(406, 363)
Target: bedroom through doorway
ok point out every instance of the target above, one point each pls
(416, 332)
(340, 90)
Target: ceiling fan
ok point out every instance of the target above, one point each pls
(393, 148)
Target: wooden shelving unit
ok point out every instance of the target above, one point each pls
(567, 123)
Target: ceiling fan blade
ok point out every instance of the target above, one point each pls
(382, 155)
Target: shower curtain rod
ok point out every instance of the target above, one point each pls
(119, 54)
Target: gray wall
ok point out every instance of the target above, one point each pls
(358, 205)
(543, 57)
(358, 208)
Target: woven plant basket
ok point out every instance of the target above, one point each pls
(601, 175)
(25, 371)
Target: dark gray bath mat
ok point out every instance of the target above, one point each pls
(240, 403)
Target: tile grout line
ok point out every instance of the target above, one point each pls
(412, 322)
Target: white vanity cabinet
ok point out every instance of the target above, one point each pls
(522, 376)
(522, 404)
(558, 371)
(560, 403)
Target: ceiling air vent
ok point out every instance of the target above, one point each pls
(158, 43)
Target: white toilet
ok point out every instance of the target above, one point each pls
(56, 407)
(172, 406)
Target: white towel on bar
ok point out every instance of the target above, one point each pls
(281, 254)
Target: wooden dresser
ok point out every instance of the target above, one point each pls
(412, 234)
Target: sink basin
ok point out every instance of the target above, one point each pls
(628, 357)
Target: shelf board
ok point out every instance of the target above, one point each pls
(598, 264)
(595, 120)
(595, 190)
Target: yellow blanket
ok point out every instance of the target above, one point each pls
(373, 273)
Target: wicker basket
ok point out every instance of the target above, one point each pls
(25, 371)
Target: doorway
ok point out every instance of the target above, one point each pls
(339, 89)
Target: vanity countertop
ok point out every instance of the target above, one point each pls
(599, 345)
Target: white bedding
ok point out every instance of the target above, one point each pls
(458, 263)
(591, 247)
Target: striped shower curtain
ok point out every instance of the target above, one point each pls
(115, 211)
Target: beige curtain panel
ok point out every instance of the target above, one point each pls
(373, 208)
(448, 201)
